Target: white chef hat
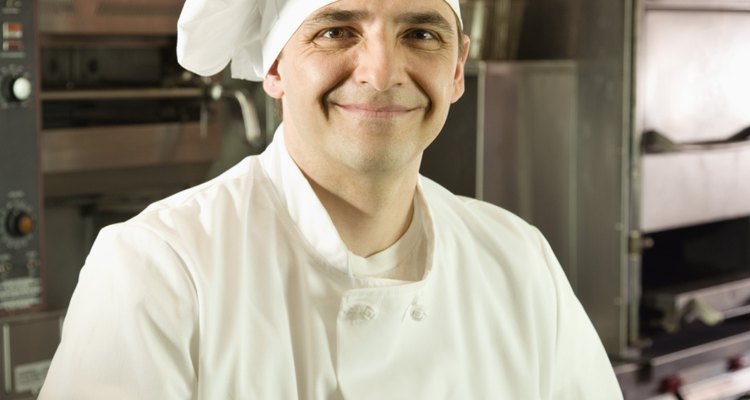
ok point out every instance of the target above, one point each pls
(249, 33)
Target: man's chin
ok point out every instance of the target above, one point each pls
(376, 158)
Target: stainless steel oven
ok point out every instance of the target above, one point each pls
(119, 114)
(692, 187)
(122, 124)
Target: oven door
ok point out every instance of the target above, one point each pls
(695, 93)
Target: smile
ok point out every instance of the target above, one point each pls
(375, 111)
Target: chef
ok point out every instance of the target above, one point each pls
(327, 267)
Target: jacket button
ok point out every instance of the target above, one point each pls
(360, 313)
(418, 313)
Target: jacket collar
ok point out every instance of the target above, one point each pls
(303, 205)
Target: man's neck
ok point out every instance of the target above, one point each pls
(370, 204)
(370, 213)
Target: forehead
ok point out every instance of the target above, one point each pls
(436, 12)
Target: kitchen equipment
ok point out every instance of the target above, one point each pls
(28, 343)
(494, 27)
(122, 124)
(21, 266)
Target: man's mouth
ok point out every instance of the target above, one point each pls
(366, 110)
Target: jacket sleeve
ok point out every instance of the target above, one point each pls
(580, 369)
(131, 327)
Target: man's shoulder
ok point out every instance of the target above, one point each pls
(236, 179)
(490, 244)
(477, 216)
(219, 200)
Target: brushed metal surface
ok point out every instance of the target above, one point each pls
(604, 41)
(101, 148)
(123, 94)
(681, 189)
(530, 149)
(694, 87)
(109, 17)
(29, 342)
(695, 81)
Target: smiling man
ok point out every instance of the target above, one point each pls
(365, 87)
(327, 268)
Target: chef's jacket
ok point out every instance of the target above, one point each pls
(241, 288)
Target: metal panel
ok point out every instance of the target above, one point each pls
(98, 148)
(109, 17)
(681, 189)
(605, 280)
(696, 81)
(530, 149)
(451, 159)
(695, 88)
(28, 344)
(21, 267)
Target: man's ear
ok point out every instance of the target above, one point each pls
(272, 82)
(458, 77)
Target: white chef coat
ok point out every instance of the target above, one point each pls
(241, 288)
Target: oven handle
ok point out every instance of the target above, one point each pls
(655, 142)
(247, 109)
(123, 94)
(215, 92)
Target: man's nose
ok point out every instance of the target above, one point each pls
(380, 64)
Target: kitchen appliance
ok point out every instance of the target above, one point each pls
(21, 267)
(628, 147)
(119, 114)
(122, 124)
(28, 337)
(691, 174)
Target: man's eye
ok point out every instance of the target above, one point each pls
(421, 35)
(422, 39)
(336, 33)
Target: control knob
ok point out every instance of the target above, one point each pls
(15, 88)
(18, 223)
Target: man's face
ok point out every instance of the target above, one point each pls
(366, 85)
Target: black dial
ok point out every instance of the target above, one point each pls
(18, 223)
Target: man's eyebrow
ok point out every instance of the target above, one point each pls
(425, 18)
(337, 16)
(412, 18)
